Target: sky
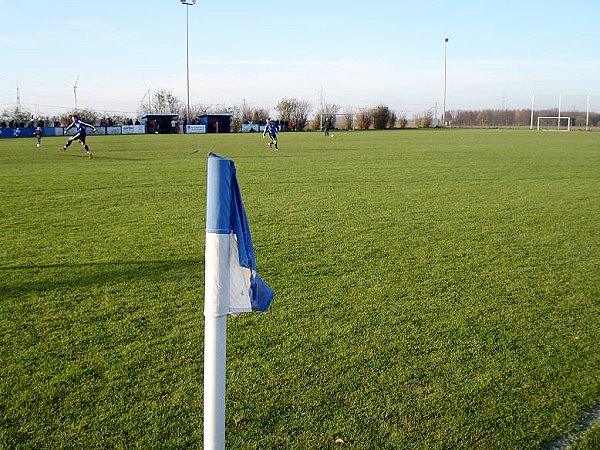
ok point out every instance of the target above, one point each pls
(350, 53)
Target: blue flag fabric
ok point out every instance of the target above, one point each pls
(228, 233)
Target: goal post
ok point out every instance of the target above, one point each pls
(343, 121)
(582, 109)
(558, 123)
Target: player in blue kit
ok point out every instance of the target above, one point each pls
(38, 135)
(271, 128)
(80, 134)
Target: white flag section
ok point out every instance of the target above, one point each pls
(231, 286)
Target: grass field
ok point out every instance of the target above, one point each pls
(434, 289)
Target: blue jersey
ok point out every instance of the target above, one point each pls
(271, 129)
(79, 126)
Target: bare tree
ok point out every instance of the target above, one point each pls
(236, 118)
(196, 111)
(364, 119)
(259, 115)
(245, 114)
(87, 115)
(19, 115)
(300, 115)
(162, 102)
(347, 121)
(402, 121)
(425, 120)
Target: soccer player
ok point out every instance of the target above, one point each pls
(327, 126)
(38, 135)
(80, 134)
(271, 128)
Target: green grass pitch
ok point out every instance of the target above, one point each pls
(434, 289)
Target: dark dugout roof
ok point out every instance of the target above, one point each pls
(157, 115)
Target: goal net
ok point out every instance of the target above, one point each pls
(337, 121)
(554, 123)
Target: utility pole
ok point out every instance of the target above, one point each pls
(18, 98)
(187, 4)
(445, 77)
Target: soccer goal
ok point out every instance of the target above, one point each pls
(554, 123)
(338, 121)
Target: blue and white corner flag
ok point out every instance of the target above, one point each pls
(232, 285)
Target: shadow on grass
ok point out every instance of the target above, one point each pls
(47, 277)
(101, 156)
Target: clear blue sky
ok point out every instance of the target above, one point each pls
(353, 53)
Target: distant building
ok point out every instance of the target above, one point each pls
(159, 123)
(217, 123)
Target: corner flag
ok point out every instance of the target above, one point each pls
(228, 240)
(231, 286)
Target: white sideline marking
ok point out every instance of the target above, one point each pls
(586, 424)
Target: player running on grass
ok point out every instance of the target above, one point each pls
(38, 135)
(271, 128)
(80, 134)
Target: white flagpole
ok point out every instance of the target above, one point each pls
(214, 382)
(216, 308)
(215, 339)
(230, 284)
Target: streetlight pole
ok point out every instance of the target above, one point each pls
(445, 77)
(187, 4)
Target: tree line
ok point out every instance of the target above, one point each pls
(295, 115)
(20, 117)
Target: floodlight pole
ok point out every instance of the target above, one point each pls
(187, 4)
(532, 106)
(187, 60)
(445, 77)
(587, 114)
(559, 110)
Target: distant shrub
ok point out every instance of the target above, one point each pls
(402, 122)
(424, 120)
(364, 119)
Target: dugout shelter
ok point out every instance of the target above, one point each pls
(159, 123)
(216, 123)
